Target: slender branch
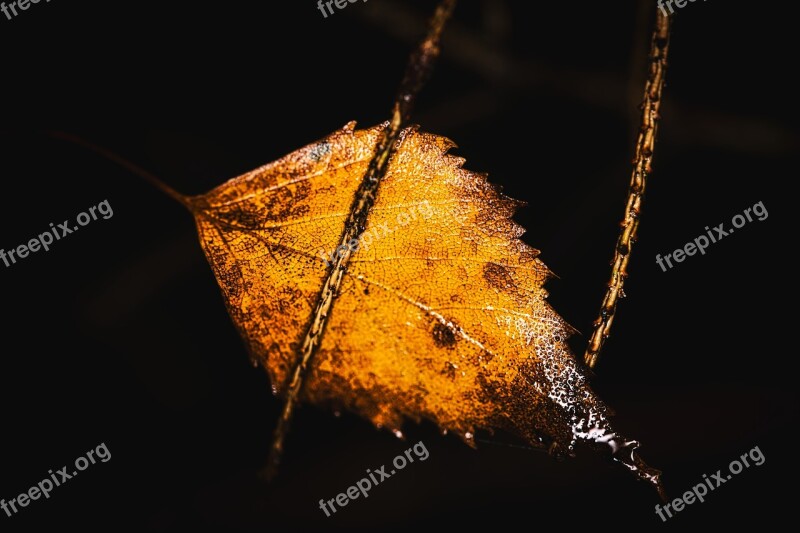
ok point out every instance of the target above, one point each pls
(642, 167)
(124, 163)
(418, 70)
(468, 49)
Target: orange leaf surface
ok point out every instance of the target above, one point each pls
(440, 312)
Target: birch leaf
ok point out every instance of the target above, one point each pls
(439, 314)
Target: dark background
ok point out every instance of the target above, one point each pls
(119, 333)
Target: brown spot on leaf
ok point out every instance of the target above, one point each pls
(443, 336)
(498, 277)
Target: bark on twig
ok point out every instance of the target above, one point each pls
(418, 70)
(642, 167)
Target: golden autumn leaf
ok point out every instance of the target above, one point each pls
(439, 313)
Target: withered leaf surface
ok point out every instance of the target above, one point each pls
(441, 313)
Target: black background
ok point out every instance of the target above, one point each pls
(119, 333)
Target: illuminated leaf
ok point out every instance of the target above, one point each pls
(440, 313)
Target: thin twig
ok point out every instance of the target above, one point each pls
(121, 161)
(420, 66)
(642, 167)
(468, 49)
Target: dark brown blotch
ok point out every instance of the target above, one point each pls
(286, 203)
(443, 336)
(498, 277)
